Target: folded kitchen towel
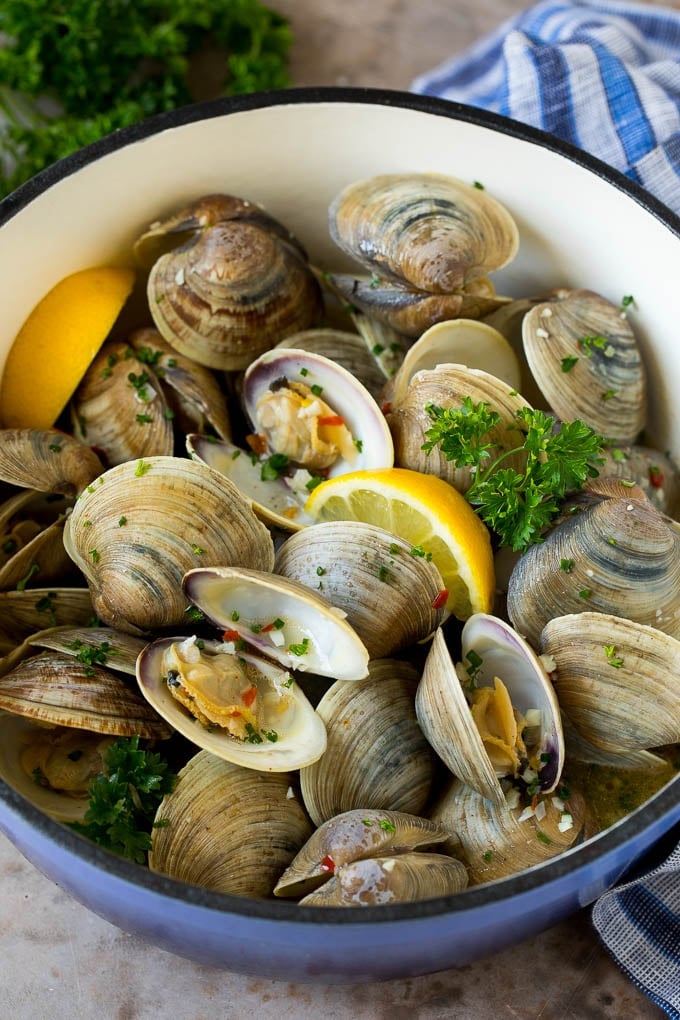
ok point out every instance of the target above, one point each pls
(604, 76)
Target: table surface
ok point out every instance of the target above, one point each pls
(60, 961)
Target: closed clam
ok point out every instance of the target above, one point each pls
(47, 460)
(432, 231)
(376, 756)
(616, 680)
(493, 715)
(231, 292)
(585, 358)
(399, 879)
(449, 386)
(228, 828)
(239, 706)
(388, 589)
(353, 836)
(136, 532)
(652, 470)
(617, 555)
(495, 840)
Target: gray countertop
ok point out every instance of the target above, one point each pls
(61, 962)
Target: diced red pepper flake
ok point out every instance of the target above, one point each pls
(440, 600)
(267, 627)
(248, 697)
(328, 864)
(257, 442)
(534, 801)
(655, 478)
(331, 419)
(387, 407)
(231, 635)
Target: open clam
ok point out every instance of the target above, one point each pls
(279, 618)
(399, 879)
(239, 706)
(507, 722)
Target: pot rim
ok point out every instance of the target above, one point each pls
(606, 844)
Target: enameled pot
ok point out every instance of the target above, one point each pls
(581, 224)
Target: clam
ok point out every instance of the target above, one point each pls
(376, 756)
(585, 358)
(228, 828)
(47, 460)
(458, 342)
(616, 680)
(450, 386)
(353, 836)
(31, 543)
(347, 349)
(239, 706)
(400, 879)
(32, 609)
(279, 618)
(507, 722)
(507, 319)
(231, 292)
(496, 841)
(93, 645)
(652, 470)
(432, 231)
(120, 407)
(617, 554)
(388, 589)
(136, 532)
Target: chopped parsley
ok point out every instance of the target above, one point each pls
(567, 565)
(569, 362)
(300, 649)
(274, 467)
(142, 468)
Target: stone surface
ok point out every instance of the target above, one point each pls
(61, 962)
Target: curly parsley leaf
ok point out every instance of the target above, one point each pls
(516, 505)
(124, 800)
(106, 64)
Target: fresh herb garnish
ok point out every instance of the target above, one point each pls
(612, 658)
(125, 798)
(516, 505)
(274, 467)
(300, 649)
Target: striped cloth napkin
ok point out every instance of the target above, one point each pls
(604, 76)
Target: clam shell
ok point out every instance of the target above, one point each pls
(233, 291)
(386, 592)
(448, 386)
(376, 756)
(433, 231)
(31, 539)
(401, 879)
(112, 649)
(352, 836)
(47, 460)
(136, 532)
(312, 635)
(301, 735)
(347, 349)
(653, 471)
(616, 680)
(605, 386)
(228, 828)
(60, 690)
(24, 612)
(618, 556)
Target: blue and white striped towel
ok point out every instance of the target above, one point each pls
(604, 76)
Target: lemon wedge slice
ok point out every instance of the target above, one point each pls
(57, 342)
(429, 513)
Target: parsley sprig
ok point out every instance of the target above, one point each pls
(124, 800)
(516, 505)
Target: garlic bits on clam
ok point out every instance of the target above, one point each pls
(493, 715)
(279, 618)
(241, 707)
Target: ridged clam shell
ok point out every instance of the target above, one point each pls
(605, 387)
(352, 836)
(60, 690)
(24, 612)
(619, 556)
(114, 650)
(493, 842)
(233, 291)
(47, 460)
(347, 349)
(138, 530)
(431, 230)
(386, 592)
(447, 386)
(617, 680)
(31, 539)
(652, 470)
(228, 828)
(124, 420)
(376, 755)
(401, 879)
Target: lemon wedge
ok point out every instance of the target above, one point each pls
(57, 342)
(429, 513)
